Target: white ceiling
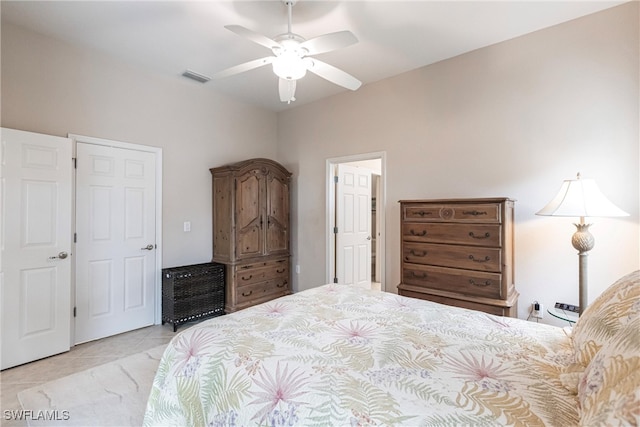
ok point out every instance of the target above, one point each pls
(394, 36)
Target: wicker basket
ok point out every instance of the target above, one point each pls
(192, 292)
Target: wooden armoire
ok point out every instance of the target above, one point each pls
(251, 231)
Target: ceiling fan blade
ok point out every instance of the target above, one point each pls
(333, 74)
(329, 42)
(241, 68)
(287, 90)
(253, 36)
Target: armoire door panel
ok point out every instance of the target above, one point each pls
(249, 218)
(277, 239)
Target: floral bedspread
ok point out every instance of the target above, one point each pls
(338, 355)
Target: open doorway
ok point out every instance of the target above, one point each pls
(339, 269)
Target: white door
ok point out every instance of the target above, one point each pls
(116, 242)
(35, 269)
(353, 222)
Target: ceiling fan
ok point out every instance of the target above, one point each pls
(291, 58)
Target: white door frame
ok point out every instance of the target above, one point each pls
(331, 209)
(158, 252)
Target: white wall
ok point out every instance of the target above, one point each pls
(54, 88)
(513, 120)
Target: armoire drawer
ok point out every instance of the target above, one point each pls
(464, 234)
(269, 288)
(481, 212)
(248, 274)
(465, 282)
(466, 257)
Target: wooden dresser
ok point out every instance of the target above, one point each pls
(459, 252)
(251, 231)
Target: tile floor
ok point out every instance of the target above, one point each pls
(79, 358)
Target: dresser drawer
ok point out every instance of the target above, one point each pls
(471, 305)
(465, 282)
(465, 234)
(482, 213)
(466, 257)
(249, 274)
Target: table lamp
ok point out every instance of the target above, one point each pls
(581, 197)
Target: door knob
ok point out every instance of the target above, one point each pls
(368, 237)
(149, 247)
(61, 255)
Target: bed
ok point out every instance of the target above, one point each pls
(337, 355)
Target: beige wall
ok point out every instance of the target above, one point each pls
(53, 88)
(514, 120)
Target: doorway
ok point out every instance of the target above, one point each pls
(375, 163)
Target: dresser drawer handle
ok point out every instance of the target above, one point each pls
(244, 267)
(486, 235)
(475, 213)
(282, 285)
(413, 233)
(246, 294)
(418, 253)
(486, 283)
(247, 278)
(281, 270)
(423, 213)
(416, 276)
(486, 258)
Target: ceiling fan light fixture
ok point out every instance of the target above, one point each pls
(289, 65)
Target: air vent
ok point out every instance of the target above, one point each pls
(196, 76)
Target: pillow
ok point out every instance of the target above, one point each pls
(609, 390)
(610, 312)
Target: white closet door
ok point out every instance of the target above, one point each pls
(116, 242)
(36, 246)
(353, 220)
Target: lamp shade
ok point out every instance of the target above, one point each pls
(580, 198)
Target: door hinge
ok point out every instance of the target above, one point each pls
(335, 280)
(335, 179)
(335, 230)
(75, 162)
(75, 311)
(75, 237)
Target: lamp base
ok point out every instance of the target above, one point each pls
(583, 241)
